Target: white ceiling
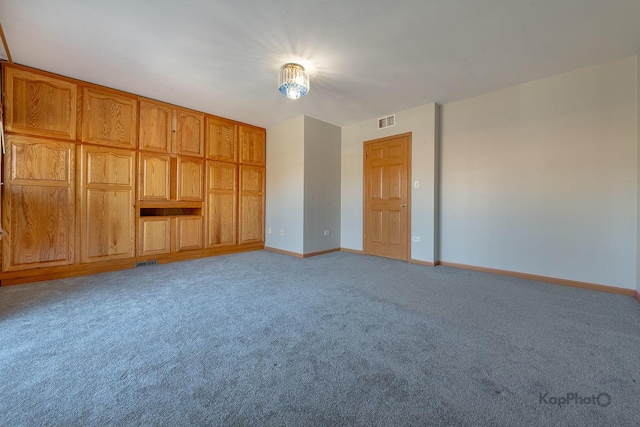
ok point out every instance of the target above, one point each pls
(366, 58)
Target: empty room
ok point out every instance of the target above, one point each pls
(320, 213)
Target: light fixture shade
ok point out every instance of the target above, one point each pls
(293, 81)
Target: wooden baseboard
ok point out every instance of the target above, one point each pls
(638, 296)
(298, 255)
(352, 251)
(554, 280)
(419, 262)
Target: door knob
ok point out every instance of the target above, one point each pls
(403, 205)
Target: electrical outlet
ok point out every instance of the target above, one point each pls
(327, 232)
(416, 238)
(281, 232)
(269, 230)
(416, 184)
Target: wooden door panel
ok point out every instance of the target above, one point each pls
(155, 177)
(190, 178)
(251, 204)
(109, 227)
(36, 160)
(386, 194)
(252, 146)
(109, 119)
(109, 167)
(39, 105)
(155, 236)
(188, 233)
(41, 229)
(155, 127)
(189, 133)
(221, 206)
(222, 140)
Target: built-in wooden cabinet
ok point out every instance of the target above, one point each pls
(109, 118)
(107, 203)
(38, 203)
(222, 202)
(252, 184)
(37, 104)
(97, 179)
(252, 145)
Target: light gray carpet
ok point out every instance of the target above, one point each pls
(262, 339)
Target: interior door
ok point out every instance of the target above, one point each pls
(386, 196)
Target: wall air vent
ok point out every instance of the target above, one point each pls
(145, 263)
(386, 122)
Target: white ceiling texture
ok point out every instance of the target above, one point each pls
(366, 58)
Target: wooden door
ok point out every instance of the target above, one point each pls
(154, 235)
(39, 203)
(188, 233)
(251, 204)
(222, 140)
(109, 118)
(189, 133)
(108, 204)
(155, 127)
(386, 196)
(190, 177)
(252, 146)
(221, 207)
(39, 105)
(155, 177)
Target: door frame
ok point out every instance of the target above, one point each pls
(408, 135)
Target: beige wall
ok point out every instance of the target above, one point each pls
(638, 177)
(421, 122)
(285, 186)
(542, 178)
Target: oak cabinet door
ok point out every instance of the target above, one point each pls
(252, 146)
(155, 177)
(190, 173)
(251, 204)
(39, 203)
(108, 204)
(154, 236)
(155, 127)
(189, 133)
(39, 105)
(221, 140)
(188, 233)
(109, 118)
(221, 206)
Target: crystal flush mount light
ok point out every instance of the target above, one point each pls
(293, 81)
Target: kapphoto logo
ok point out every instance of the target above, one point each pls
(602, 399)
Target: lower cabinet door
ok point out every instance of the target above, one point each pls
(188, 233)
(155, 236)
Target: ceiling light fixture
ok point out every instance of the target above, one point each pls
(293, 81)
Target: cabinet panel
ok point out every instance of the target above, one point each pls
(189, 133)
(188, 233)
(251, 204)
(155, 177)
(155, 127)
(109, 119)
(38, 203)
(221, 204)
(252, 146)
(155, 236)
(39, 105)
(108, 204)
(190, 179)
(222, 141)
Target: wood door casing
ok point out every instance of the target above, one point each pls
(386, 196)
(39, 203)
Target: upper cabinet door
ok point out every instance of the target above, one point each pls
(252, 146)
(189, 133)
(155, 127)
(39, 105)
(222, 140)
(109, 119)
